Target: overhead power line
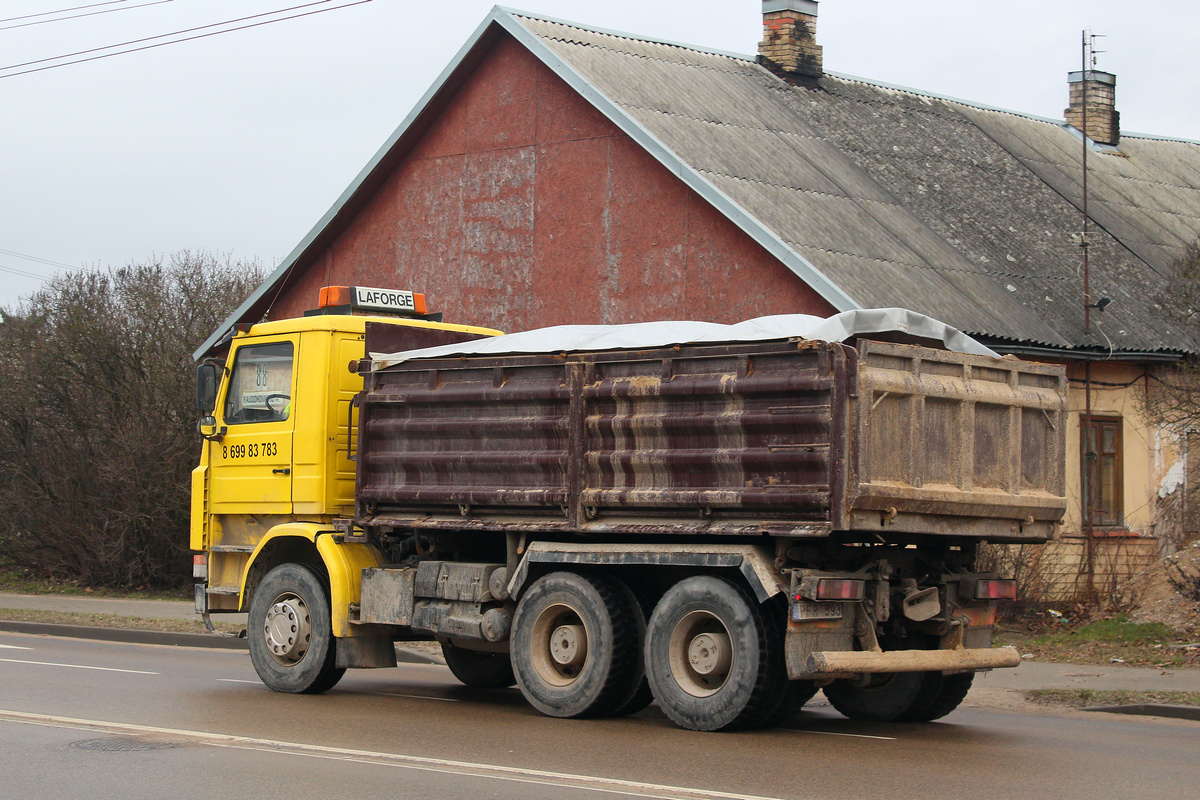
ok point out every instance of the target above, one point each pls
(77, 16)
(62, 10)
(36, 258)
(175, 41)
(22, 273)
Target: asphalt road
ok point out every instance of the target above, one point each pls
(107, 720)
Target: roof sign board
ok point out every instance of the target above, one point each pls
(366, 298)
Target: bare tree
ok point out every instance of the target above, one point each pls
(97, 420)
(1173, 398)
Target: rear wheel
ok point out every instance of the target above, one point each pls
(479, 670)
(939, 695)
(574, 648)
(640, 695)
(290, 634)
(792, 700)
(883, 699)
(713, 661)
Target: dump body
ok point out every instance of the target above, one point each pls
(784, 439)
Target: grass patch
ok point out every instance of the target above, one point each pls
(113, 621)
(1084, 698)
(17, 582)
(1104, 641)
(1118, 630)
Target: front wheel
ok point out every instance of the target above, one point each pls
(290, 634)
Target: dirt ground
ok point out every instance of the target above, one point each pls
(1169, 592)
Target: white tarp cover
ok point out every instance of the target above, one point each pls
(642, 335)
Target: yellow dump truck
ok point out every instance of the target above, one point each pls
(720, 519)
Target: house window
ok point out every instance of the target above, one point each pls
(1102, 470)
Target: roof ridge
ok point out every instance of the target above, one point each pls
(1157, 138)
(945, 98)
(829, 73)
(642, 56)
(626, 35)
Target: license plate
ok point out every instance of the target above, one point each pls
(806, 610)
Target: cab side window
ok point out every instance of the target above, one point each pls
(261, 387)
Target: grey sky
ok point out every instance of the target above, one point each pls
(240, 142)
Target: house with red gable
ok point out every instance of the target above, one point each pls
(557, 173)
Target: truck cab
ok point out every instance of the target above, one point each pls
(276, 465)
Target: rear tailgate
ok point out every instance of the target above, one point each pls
(957, 444)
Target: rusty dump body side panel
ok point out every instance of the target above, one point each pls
(771, 438)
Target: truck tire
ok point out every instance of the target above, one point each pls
(793, 699)
(574, 646)
(290, 634)
(479, 670)
(939, 695)
(640, 695)
(884, 699)
(713, 659)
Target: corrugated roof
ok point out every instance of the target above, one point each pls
(962, 212)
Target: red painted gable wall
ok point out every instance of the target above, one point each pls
(523, 206)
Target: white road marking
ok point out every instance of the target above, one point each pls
(415, 696)
(468, 768)
(13, 647)
(852, 735)
(379, 694)
(419, 665)
(78, 666)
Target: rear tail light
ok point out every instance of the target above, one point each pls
(990, 589)
(840, 589)
(200, 567)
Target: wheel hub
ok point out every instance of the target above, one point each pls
(709, 654)
(700, 653)
(288, 629)
(559, 645)
(568, 645)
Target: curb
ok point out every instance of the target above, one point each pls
(134, 636)
(1152, 710)
(128, 635)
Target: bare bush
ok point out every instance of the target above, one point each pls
(1022, 563)
(97, 420)
(1186, 583)
(1173, 398)
(1056, 572)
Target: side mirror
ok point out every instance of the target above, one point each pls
(207, 376)
(207, 428)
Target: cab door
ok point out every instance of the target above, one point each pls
(251, 464)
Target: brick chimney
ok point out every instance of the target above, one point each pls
(1096, 92)
(789, 47)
